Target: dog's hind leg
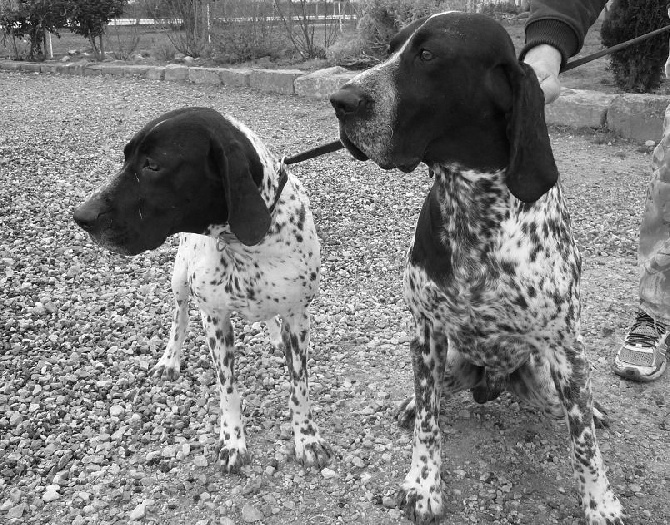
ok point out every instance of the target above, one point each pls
(168, 365)
(274, 331)
(459, 375)
(570, 372)
(310, 447)
(232, 438)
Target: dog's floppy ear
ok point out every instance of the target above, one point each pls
(248, 217)
(532, 169)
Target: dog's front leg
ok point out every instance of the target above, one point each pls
(310, 447)
(168, 366)
(571, 374)
(421, 493)
(232, 439)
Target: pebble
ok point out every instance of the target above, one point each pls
(51, 493)
(200, 461)
(226, 521)
(328, 473)
(251, 513)
(389, 502)
(17, 511)
(138, 512)
(116, 411)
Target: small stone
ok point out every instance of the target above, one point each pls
(650, 143)
(116, 411)
(358, 462)
(51, 493)
(251, 513)
(388, 502)
(226, 521)
(17, 511)
(200, 461)
(290, 505)
(138, 512)
(328, 473)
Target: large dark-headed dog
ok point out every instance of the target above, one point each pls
(492, 278)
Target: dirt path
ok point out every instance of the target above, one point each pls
(80, 329)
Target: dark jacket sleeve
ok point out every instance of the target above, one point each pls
(561, 23)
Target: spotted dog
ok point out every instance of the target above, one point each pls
(252, 249)
(492, 277)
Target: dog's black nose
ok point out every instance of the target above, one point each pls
(348, 101)
(86, 217)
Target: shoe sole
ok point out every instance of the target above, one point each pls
(633, 374)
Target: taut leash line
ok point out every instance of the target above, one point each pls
(314, 152)
(613, 49)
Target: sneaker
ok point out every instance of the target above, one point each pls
(642, 355)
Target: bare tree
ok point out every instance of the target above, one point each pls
(299, 24)
(189, 25)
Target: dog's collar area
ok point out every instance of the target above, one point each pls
(224, 239)
(283, 179)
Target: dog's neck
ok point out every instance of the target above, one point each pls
(271, 188)
(480, 146)
(472, 203)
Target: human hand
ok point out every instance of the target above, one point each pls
(546, 62)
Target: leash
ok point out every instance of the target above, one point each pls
(613, 49)
(335, 145)
(314, 152)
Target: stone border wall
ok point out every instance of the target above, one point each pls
(636, 117)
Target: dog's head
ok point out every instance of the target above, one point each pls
(452, 91)
(185, 171)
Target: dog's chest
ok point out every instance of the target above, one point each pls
(507, 274)
(278, 276)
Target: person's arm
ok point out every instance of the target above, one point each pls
(555, 31)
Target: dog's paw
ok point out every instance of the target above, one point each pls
(420, 506)
(315, 452)
(600, 417)
(231, 459)
(405, 414)
(167, 367)
(603, 510)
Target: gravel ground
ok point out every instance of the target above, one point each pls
(87, 435)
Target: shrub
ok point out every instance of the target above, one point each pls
(381, 19)
(163, 52)
(637, 68)
(123, 40)
(247, 31)
(500, 10)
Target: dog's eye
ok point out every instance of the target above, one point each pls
(426, 55)
(150, 165)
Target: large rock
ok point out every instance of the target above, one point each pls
(93, 70)
(638, 117)
(204, 75)
(322, 83)
(176, 72)
(579, 108)
(135, 70)
(155, 73)
(275, 80)
(117, 70)
(235, 77)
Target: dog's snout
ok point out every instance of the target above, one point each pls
(87, 216)
(348, 101)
